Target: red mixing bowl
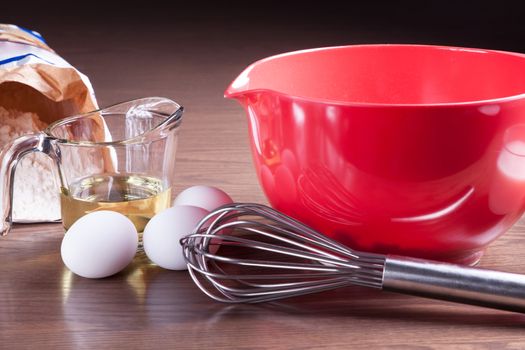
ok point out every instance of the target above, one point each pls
(396, 149)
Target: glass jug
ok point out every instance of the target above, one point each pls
(120, 158)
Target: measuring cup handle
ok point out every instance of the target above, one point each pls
(9, 157)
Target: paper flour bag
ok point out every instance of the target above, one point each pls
(37, 87)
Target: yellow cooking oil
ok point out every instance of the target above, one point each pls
(138, 197)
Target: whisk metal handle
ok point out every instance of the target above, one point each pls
(500, 290)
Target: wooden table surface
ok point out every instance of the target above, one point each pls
(43, 305)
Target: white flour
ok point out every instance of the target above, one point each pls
(36, 195)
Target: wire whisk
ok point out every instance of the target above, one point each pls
(245, 252)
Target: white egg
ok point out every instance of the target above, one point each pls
(99, 244)
(163, 232)
(206, 197)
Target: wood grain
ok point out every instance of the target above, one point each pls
(43, 305)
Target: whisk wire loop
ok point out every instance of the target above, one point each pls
(289, 251)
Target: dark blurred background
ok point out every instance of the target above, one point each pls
(491, 24)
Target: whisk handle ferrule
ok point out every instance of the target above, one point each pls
(499, 290)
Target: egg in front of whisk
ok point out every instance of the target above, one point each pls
(164, 231)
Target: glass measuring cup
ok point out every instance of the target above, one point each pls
(119, 158)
